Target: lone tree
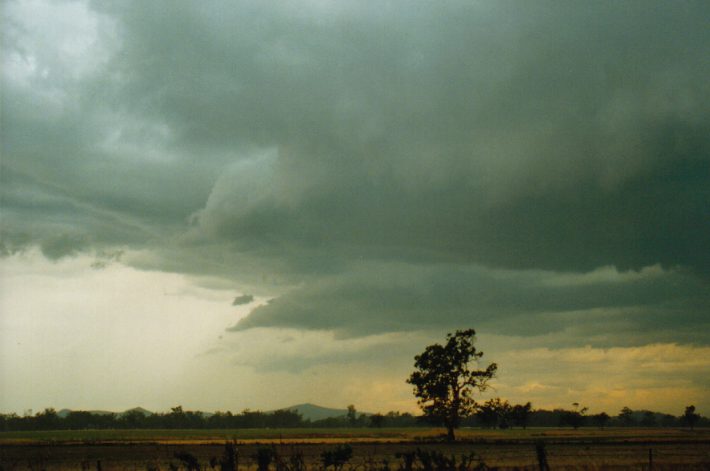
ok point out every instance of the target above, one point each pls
(626, 417)
(521, 414)
(352, 415)
(574, 418)
(690, 418)
(601, 419)
(444, 381)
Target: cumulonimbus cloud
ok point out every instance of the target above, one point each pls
(288, 146)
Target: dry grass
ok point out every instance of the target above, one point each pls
(354, 435)
(508, 449)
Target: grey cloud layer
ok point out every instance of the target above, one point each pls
(434, 134)
(291, 143)
(242, 299)
(602, 308)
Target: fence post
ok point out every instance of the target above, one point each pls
(542, 456)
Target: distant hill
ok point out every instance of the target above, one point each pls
(145, 412)
(314, 412)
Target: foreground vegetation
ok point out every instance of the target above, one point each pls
(359, 435)
(504, 437)
(355, 449)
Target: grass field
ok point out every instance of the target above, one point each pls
(310, 435)
(502, 449)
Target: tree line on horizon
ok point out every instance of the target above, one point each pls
(495, 413)
(446, 376)
(444, 383)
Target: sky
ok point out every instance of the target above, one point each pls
(230, 205)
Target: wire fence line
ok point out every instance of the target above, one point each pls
(343, 457)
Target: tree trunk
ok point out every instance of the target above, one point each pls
(450, 433)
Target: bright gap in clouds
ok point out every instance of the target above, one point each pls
(81, 337)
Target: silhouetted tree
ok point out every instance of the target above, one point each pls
(251, 419)
(337, 457)
(444, 382)
(284, 419)
(487, 415)
(668, 420)
(176, 418)
(264, 456)
(133, 419)
(189, 460)
(397, 419)
(521, 414)
(49, 420)
(626, 417)
(352, 415)
(495, 413)
(648, 419)
(574, 418)
(601, 419)
(376, 420)
(690, 418)
(230, 457)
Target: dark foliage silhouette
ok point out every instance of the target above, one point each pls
(601, 419)
(376, 420)
(521, 414)
(188, 460)
(574, 418)
(49, 419)
(626, 417)
(690, 418)
(337, 457)
(264, 456)
(432, 460)
(444, 380)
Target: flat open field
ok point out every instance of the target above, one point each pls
(567, 449)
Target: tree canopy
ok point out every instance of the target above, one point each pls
(444, 380)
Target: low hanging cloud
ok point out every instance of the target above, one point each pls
(604, 308)
(243, 299)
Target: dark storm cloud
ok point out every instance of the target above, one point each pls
(300, 142)
(565, 140)
(597, 307)
(243, 299)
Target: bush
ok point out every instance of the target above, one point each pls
(337, 457)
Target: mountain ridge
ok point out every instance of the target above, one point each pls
(313, 412)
